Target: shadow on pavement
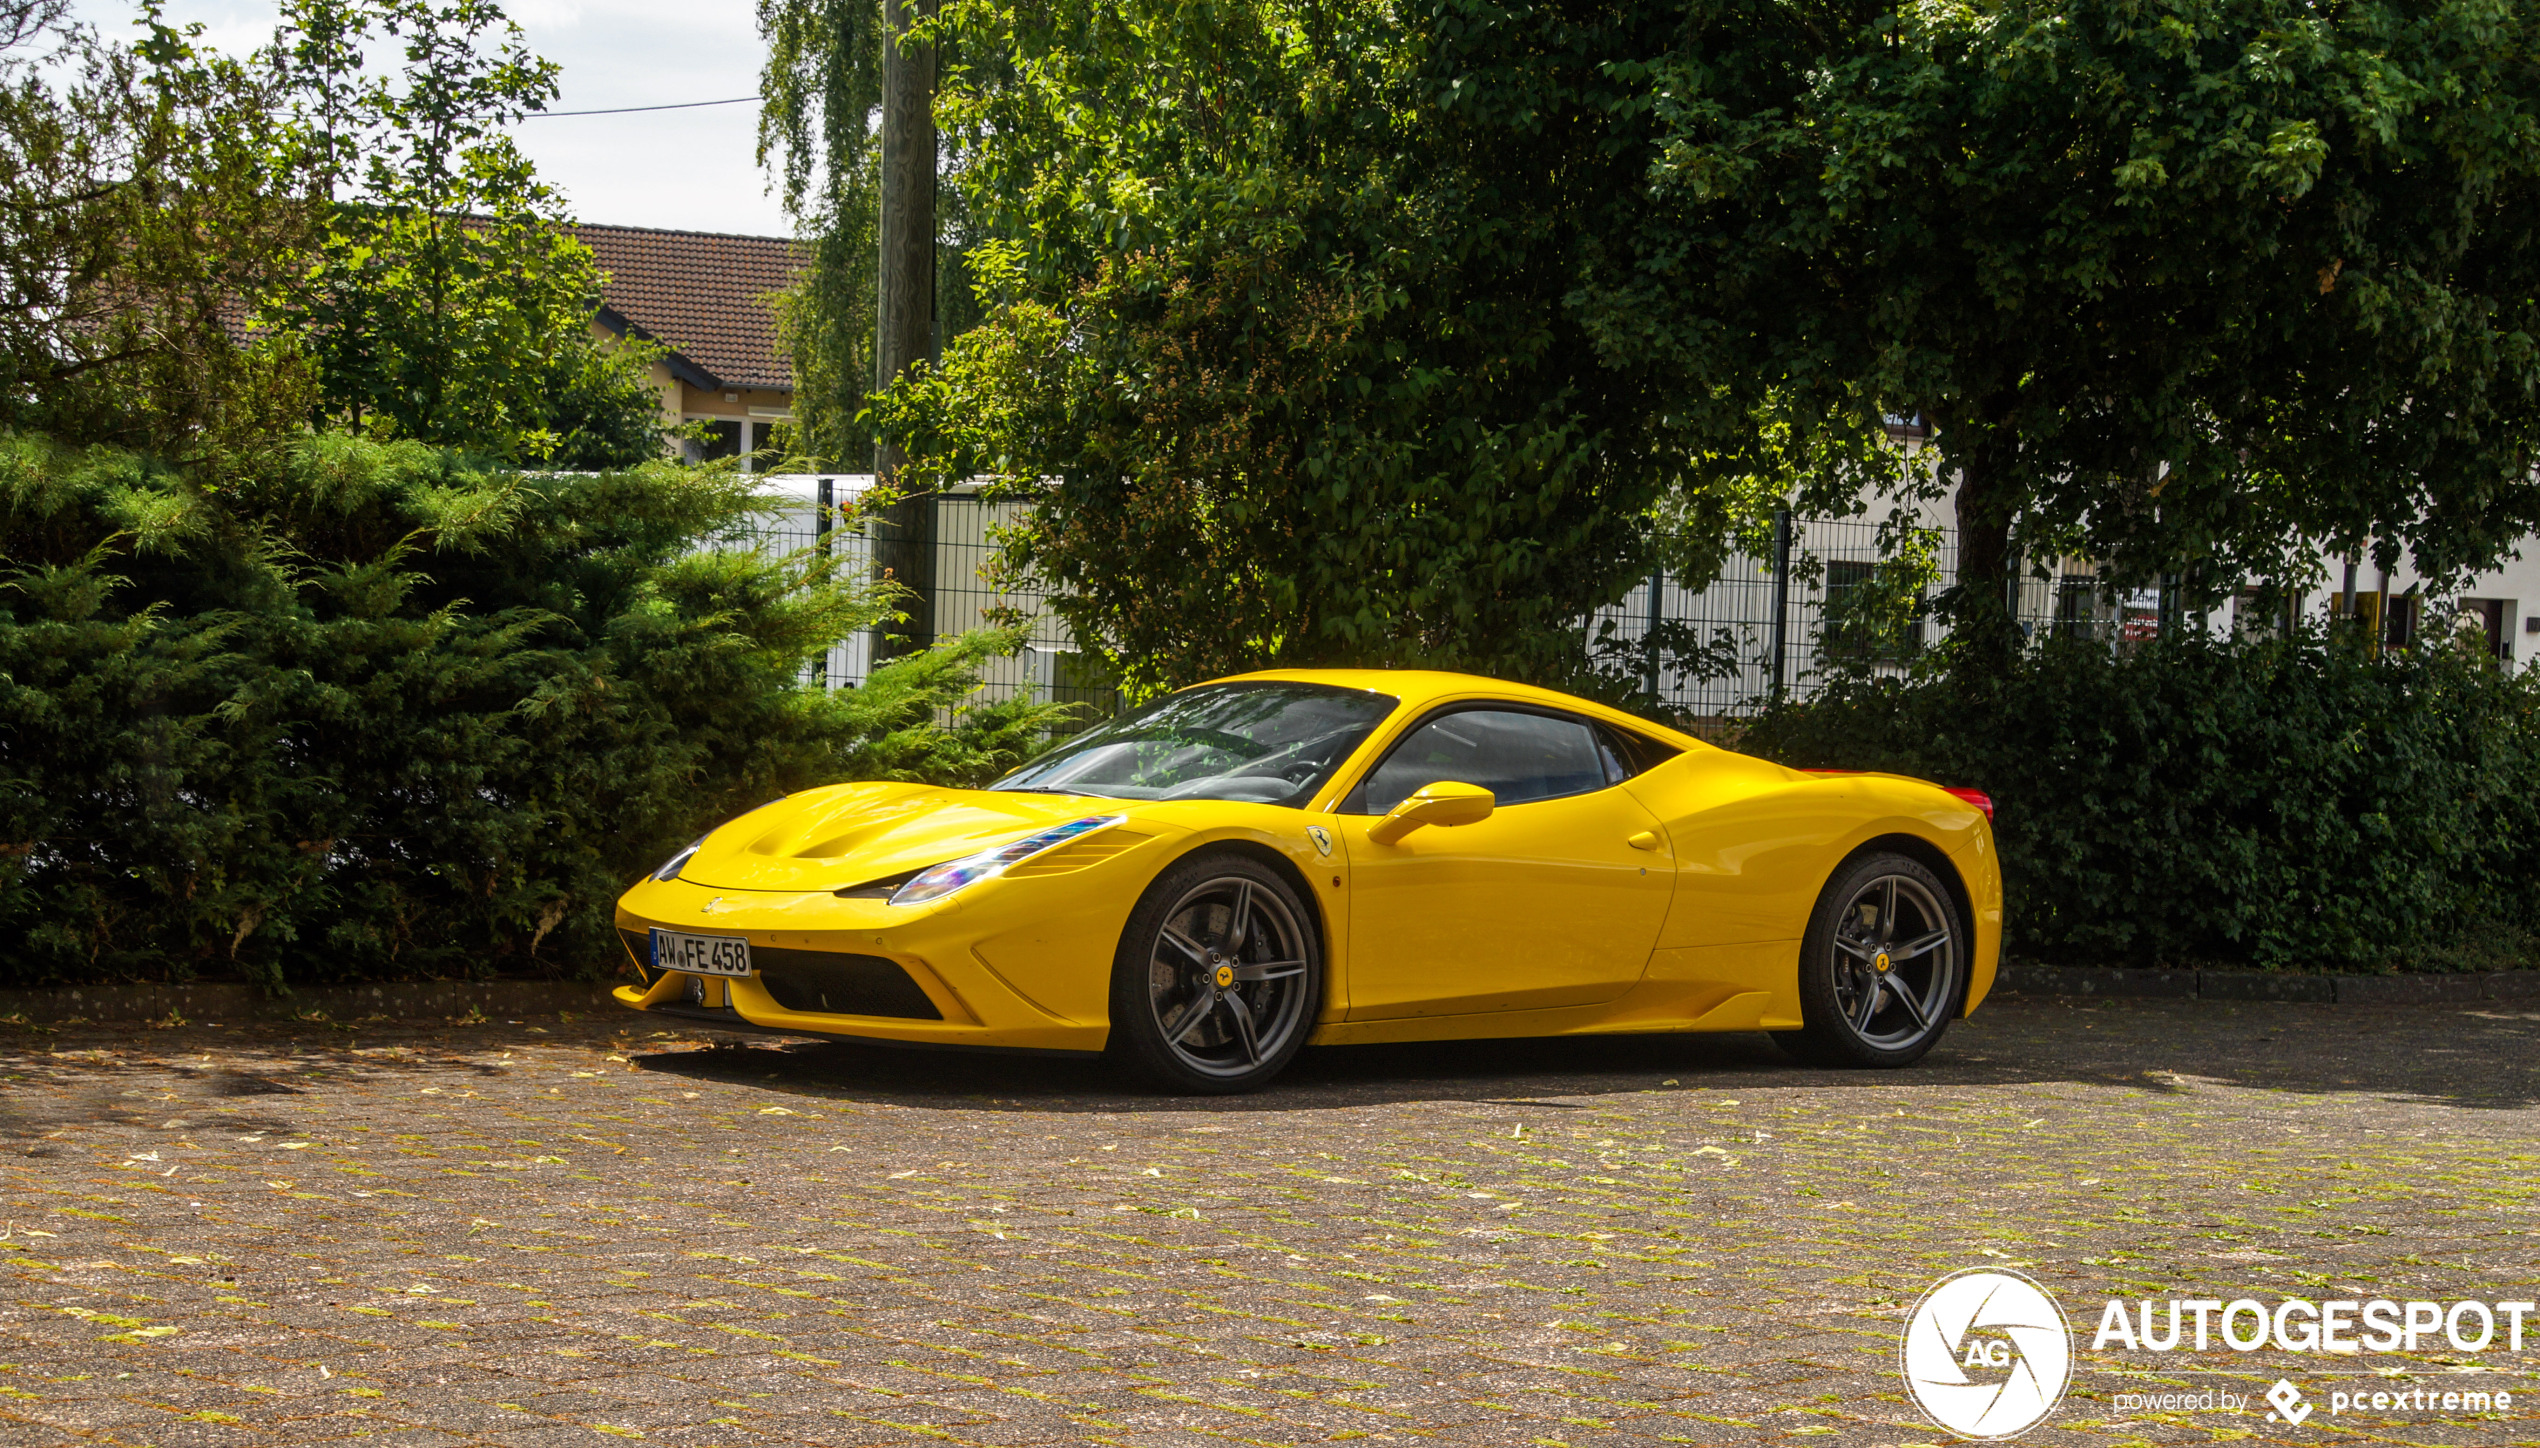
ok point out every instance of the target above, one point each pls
(2436, 1055)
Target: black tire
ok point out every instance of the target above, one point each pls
(1218, 977)
(1882, 968)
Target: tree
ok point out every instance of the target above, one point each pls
(2193, 286)
(143, 191)
(1281, 346)
(444, 300)
(820, 124)
(823, 86)
(370, 710)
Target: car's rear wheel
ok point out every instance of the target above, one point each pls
(1881, 967)
(1218, 977)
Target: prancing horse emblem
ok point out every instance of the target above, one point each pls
(1322, 839)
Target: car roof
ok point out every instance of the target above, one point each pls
(1420, 688)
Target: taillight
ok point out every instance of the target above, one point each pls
(1976, 797)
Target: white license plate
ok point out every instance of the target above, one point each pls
(701, 954)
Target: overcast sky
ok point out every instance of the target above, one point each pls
(682, 169)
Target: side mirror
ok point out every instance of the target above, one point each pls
(1442, 803)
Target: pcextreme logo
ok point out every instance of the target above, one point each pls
(1987, 1353)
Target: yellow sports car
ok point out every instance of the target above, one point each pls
(1203, 887)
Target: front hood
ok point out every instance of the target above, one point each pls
(846, 834)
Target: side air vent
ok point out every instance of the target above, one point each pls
(1093, 849)
(835, 983)
(639, 944)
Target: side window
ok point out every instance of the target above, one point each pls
(1627, 754)
(1517, 757)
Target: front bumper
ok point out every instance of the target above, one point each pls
(984, 982)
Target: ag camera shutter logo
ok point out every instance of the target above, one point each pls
(1987, 1353)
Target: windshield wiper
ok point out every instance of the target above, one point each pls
(1045, 789)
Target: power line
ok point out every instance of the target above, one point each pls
(629, 110)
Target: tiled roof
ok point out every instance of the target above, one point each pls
(702, 294)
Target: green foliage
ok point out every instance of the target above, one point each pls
(822, 124)
(1280, 344)
(443, 301)
(2198, 287)
(823, 84)
(1875, 612)
(594, 403)
(368, 712)
(2287, 804)
(143, 191)
(826, 322)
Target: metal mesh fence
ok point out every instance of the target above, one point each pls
(1849, 593)
(810, 512)
(803, 514)
(1829, 594)
(968, 595)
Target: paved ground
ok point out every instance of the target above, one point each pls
(554, 1231)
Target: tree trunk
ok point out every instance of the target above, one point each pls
(903, 533)
(1989, 498)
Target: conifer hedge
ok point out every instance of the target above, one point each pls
(2287, 804)
(366, 711)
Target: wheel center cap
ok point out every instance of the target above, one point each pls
(1881, 962)
(1225, 976)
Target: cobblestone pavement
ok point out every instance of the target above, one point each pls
(557, 1231)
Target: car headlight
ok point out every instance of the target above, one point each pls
(938, 881)
(670, 868)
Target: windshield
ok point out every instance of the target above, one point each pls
(1259, 743)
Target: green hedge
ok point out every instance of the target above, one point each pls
(369, 712)
(2291, 805)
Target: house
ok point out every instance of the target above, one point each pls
(707, 297)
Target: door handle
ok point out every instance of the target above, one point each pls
(1643, 841)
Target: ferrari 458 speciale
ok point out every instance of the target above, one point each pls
(1205, 886)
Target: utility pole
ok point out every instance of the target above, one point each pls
(904, 533)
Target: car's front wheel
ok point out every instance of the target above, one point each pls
(1218, 977)
(1881, 967)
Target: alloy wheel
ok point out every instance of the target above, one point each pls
(1896, 962)
(1226, 977)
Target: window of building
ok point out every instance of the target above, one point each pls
(2077, 607)
(1866, 617)
(2399, 622)
(2264, 613)
(722, 440)
(2493, 618)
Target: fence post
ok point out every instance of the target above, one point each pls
(1781, 596)
(827, 502)
(2011, 587)
(1649, 640)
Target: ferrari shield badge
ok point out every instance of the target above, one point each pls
(1322, 839)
